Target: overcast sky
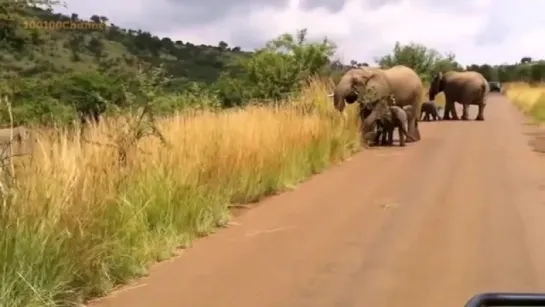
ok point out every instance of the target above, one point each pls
(477, 31)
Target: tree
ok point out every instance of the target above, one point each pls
(88, 92)
(522, 72)
(424, 61)
(223, 45)
(488, 72)
(96, 46)
(526, 60)
(310, 57)
(95, 19)
(537, 72)
(278, 69)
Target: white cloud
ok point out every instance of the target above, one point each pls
(477, 31)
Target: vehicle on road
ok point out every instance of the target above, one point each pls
(495, 86)
(506, 299)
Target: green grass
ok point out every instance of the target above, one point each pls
(76, 223)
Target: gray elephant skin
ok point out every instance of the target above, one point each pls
(428, 111)
(390, 117)
(400, 81)
(365, 110)
(467, 88)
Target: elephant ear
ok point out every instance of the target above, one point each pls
(376, 86)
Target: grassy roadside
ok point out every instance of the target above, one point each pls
(529, 98)
(75, 223)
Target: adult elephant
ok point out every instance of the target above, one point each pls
(467, 88)
(399, 81)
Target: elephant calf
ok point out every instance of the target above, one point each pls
(429, 109)
(365, 110)
(385, 115)
(396, 117)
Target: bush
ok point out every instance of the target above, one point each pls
(529, 98)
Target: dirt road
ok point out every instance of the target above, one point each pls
(460, 212)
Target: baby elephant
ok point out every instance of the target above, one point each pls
(396, 117)
(429, 109)
(365, 110)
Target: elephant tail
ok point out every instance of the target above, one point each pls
(483, 92)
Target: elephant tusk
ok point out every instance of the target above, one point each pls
(330, 95)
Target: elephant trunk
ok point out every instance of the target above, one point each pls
(342, 90)
(432, 93)
(368, 124)
(436, 87)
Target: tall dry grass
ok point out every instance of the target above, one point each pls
(75, 222)
(529, 98)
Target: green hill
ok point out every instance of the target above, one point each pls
(49, 72)
(27, 51)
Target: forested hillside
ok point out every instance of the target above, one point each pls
(33, 51)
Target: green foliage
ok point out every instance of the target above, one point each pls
(85, 72)
(60, 75)
(52, 65)
(525, 71)
(277, 70)
(425, 61)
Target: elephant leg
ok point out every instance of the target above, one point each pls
(480, 116)
(401, 134)
(376, 140)
(465, 110)
(364, 131)
(385, 133)
(414, 132)
(379, 131)
(452, 109)
(446, 111)
(390, 136)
